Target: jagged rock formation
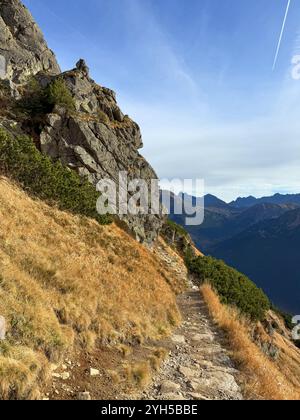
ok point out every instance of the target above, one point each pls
(22, 43)
(95, 139)
(99, 142)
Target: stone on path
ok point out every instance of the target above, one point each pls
(84, 396)
(221, 381)
(2, 328)
(198, 338)
(188, 373)
(65, 376)
(174, 397)
(94, 372)
(178, 339)
(198, 397)
(169, 386)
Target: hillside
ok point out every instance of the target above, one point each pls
(68, 286)
(268, 252)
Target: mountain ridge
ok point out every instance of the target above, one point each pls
(273, 245)
(274, 199)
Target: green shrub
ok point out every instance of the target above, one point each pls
(33, 101)
(285, 316)
(57, 93)
(177, 228)
(103, 118)
(38, 101)
(48, 180)
(233, 287)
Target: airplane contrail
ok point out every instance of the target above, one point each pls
(281, 33)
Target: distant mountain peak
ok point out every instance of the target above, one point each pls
(275, 199)
(213, 201)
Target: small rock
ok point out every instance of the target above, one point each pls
(198, 397)
(84, 396)
(94, 372)
(169, 386)
(194, 385)
(187, 372)
(174, 397)
(202, 337)
(53, 367)
(65, 376)
(205, 364)
(178, 339)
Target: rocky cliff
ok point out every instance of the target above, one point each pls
(22, 43)
(96, 139)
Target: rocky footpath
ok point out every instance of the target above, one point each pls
(198, 367)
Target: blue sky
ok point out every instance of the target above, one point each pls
(197, 76)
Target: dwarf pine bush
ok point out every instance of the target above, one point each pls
(57, 93)
(37, 101)
(21, 161)
(232, 287)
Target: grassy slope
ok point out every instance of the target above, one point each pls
(67, 283)
(262, 377)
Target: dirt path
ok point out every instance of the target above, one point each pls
(198, 367)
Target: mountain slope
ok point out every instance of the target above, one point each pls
(69, 285)
(268, 252)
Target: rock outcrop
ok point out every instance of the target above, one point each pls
(99, 142)
(96, 139)
(22, 43)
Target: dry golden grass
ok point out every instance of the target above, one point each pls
(262, 377)
(289, 357)
(139, 374)
(68, 283)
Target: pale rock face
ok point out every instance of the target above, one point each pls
(22, 44)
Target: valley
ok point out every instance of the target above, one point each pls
(259, 237)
